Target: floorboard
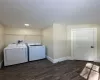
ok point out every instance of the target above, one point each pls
(45, 70)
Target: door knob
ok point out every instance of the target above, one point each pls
(92, 46)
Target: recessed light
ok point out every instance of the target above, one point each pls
(26, 24)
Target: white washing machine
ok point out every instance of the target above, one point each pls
(36, 51)
(15, 54)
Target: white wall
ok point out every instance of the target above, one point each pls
(60, 40)
(1, 40)
(25, 34)
(55, 39)
(48, 41)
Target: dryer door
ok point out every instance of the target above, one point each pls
(36, 52)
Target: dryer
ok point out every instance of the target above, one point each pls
(36, 52)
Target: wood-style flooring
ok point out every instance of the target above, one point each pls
(45, 70)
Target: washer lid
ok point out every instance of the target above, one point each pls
(34, 44)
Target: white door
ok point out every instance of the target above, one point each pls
(83, 43)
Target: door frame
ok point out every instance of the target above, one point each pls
(95, 42)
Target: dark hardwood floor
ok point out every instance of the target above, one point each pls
(44, 70)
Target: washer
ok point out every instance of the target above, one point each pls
(15, 54)
(36, 52)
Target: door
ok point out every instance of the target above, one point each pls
(83, 44)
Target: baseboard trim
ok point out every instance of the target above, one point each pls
(59, 59)
(65, 58)
(1, 63)
(50, 59)
(97, 60)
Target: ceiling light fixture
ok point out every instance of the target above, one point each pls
(26, 25)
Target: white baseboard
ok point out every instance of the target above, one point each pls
(65, 58)
(59, 59)
(97, 60)
(50, 59)
(1, 64)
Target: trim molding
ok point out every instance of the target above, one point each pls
(97, 60)
(50, 59)
(59, 59)
(65, 58)
(1, 63)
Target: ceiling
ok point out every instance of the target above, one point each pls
(43, 13)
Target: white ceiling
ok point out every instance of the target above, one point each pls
(42, 13)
